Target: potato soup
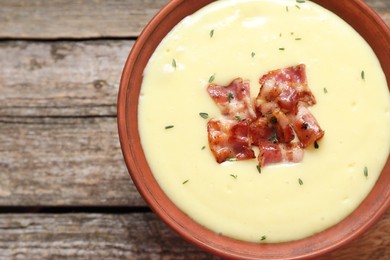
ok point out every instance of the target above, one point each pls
(247, 38)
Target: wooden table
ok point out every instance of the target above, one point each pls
(64, 189)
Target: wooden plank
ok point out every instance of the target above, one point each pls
(63, 161)
(91, 236)
(61, 78)
(75, 19)
(26, 19)
(133, 236)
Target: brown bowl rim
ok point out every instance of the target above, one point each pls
(176, 219)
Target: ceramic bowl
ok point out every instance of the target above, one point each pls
(354, 12)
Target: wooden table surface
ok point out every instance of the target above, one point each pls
(64, 189)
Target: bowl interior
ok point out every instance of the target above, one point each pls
(354, 12)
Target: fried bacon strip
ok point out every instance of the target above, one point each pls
(306, 126)
(228, 139)
(278, 122)
(233, 100)
(285, 87)
(270, 152)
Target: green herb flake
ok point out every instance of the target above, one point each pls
(273, 138)
(253, 54)
(316, 146)
(297, 6)
(258, 168)
(238, 118)
(263, 238)
(286, 8)
(325, 91)
(230, 97)
(204, 115)
(298, 39)
(234, 176)
(174, 63)
(212, 33)
(184, 182)
(169, 126)
(300, 181)
(212, 78)
(231, 159)
(281, 49)
(365, 171)
(362, 75)
(300, 1)
(203, 147)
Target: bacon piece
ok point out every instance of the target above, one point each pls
(259, 130)
(286, 87)
(233, 100)
(229, 139)
(265, 108)
(270, 152)
(306, 126)
(283, 128)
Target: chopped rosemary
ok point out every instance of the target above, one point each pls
(325, 91)
(253, 54)
(365, 171)
(286, 8)
(362, 75)
(231, 159)
(204, 115)
(174, 63)
(263, 238)
(258, 168)
(273, 138)
(301, 1)
(281, 49)
(203, 147)
(316, 146)
(212, 33)
(298, 39)
(169, 126)
(230, 97)
(273, 120)
(234, 176)
(184, 182)
(238, 118)
(300, 181)
(212, 77)
(297, 6)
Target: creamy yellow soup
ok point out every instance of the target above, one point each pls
(248, 38)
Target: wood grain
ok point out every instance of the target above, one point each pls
(63, 161)
(39, 19)
(91, 236)
(61, 78)
(133, 236)
(55, 19)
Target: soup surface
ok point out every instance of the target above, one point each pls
(248, 38)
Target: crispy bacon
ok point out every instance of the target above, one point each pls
(278, 122)
(233, 100)
(286, 87)
(259, 130)
(229, 139)
(306, 126)
(270, 152)
(283, 128)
